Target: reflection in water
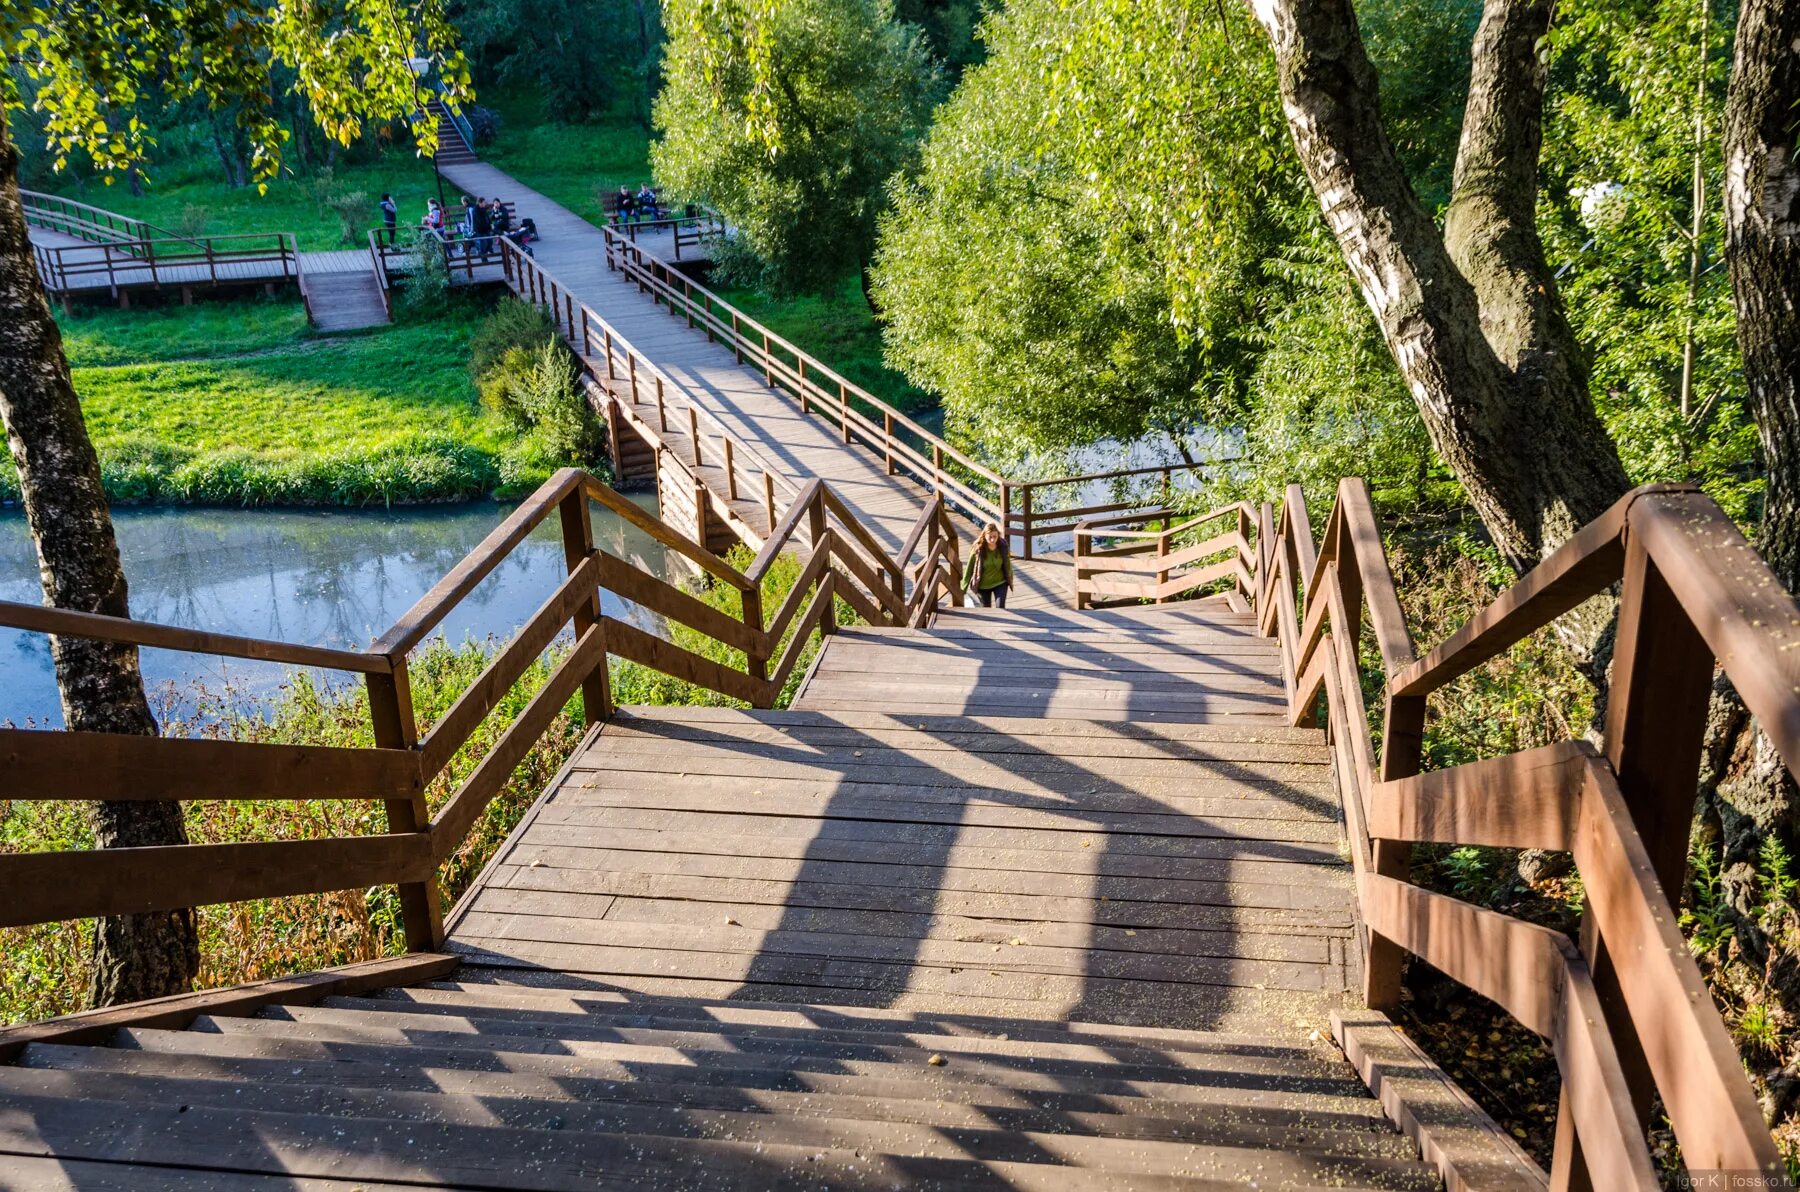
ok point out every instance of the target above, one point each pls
(316, 577)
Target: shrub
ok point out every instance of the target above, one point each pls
(514, 324)
(538, 392)
(352, 209)
(193, 221)
(484, 123)
(427, 288)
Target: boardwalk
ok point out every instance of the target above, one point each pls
(1090, 944)
(574, 252)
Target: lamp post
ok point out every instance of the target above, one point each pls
(416, 67)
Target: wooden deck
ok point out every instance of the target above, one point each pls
(1008, 811)
(574, 252)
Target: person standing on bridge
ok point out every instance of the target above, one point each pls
(989, 573)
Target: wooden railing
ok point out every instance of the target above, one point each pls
(699, 226)
(634, 387)
(842, 562)
(1624, 1009)
(94, 224)
(263, 257)
(904, 446)
(1150, 556)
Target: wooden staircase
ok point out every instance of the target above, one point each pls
(345, 300)
(452, 149)
(484, 1085)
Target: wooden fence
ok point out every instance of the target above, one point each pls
(1624, 1008)
(115, 267)
(843, 562)
(93, 224)
(904, 446)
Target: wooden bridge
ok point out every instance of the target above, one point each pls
(1107, 898)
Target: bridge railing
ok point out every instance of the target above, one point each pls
(254, 257)
(1148, 555)
(1624, 1008)
(632, 386)
(861, 418)
(84, 222)
(843, 562)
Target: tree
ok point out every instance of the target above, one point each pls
(1108, 239)
(84, 61)
(791, 116)
(577, 55)
(1748, 793)
(1471, 314)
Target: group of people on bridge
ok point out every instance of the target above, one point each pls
(481, 225)
(644, 205)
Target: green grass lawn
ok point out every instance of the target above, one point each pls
(838, 328)
(239, 404)
(575, 164)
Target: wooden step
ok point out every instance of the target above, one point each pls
(345, 301)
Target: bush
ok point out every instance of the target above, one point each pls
(484, 123)
(352, 209)
(514, 324)
(427, 288)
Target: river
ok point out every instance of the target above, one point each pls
(315, 577)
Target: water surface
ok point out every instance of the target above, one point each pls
(315, 577)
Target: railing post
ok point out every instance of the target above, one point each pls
(815, 521)
(844, 410)
(1244, 531)
(887, 441)
(391, 715)
(700, 520)
(937, 468)
(731, 490)
(1025, 518)
(578, 546)
(1082, 599)
(1656, 708)
(1006, 514)
(694, 434)
(1162, 552)
(662, 410)
(756, 658)
(769, 497)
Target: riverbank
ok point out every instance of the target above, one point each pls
(241, 404)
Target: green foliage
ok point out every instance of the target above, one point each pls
(89, 68)
(790, 116)
(513, 324)
(530, 382)
(1084, 221)
(1626, 128)
(574, 164)
(581, 58)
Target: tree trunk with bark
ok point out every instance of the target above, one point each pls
(1471, 314)
(136, 956)
(1748, 797)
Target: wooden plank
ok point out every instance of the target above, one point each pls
(1024, 727)
(55, 886)
(179, 1010)
(40, 618)
(1136, 914)
(453, 729)
(431, 608)
(630, 642)
(76, 765)
(1521, 800)
(454, 820)
(647, 591)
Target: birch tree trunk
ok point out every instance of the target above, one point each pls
(1748, 796)
(1471, 314)
(136, 956)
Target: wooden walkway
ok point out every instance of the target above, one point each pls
(1046, 916)
(1022, 812)
(574, 252)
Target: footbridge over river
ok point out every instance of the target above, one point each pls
(1112, 892)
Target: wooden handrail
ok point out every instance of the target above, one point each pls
(1625, 1010)
(846, 563)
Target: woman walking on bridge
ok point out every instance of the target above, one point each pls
(989, 574)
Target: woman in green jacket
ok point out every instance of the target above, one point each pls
(990, 568)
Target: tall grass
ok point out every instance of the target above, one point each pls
(44, 970)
